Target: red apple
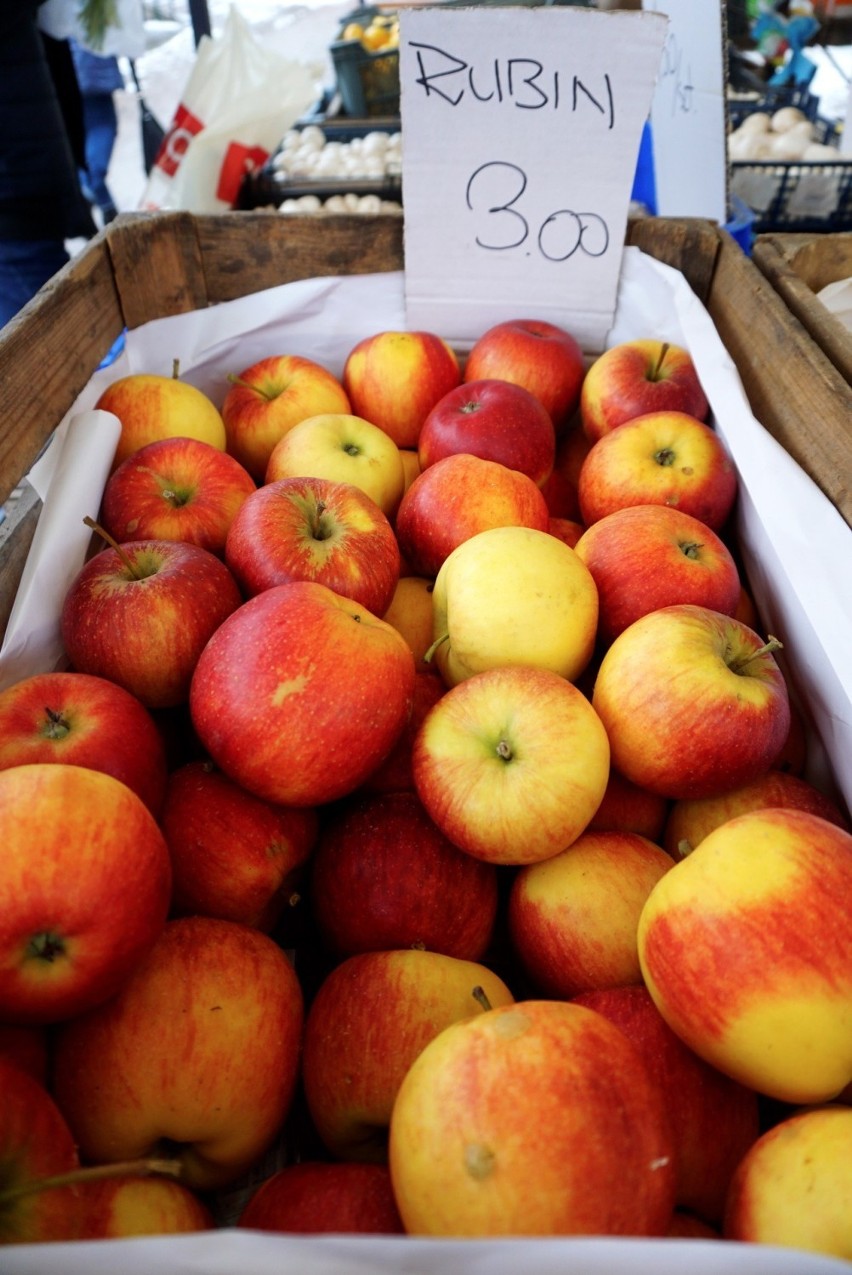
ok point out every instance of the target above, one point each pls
(315, 529)
(370, 1018)
(26, 1046)
(560, 489)
(538, 1118)
(85, 883)
(233, 855)
(150, 406)
(384, 876)
(565, 530)
(140, 614)
(572, 919)
(394, 379)
(651, 556)
(693, 702)
(543, 358)
(301, 694)
(458, 496)
(494, 420)
(271, 396)
(664, 458)
(344, 449)
(395, 774)
(637, 377)
(82, 720)
(199, 1049)
(316, 1197)
(175, 489)
(625, 807)
(121, 1207)
(714, 1119)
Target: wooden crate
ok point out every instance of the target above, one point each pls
(799, 267)
(150, 265)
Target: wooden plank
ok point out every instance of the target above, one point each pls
(157, 265)
(16, 533)
(689, 244)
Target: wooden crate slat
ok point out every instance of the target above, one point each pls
(690, 245)
(16, 534)
(157, 265)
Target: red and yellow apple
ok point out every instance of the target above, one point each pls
(394, 379)
(410, 612)
(344, 449)
(625, 807)
(315, 1197)
(539, 356)
(121, 1207)
(637, 377)
(150, 406)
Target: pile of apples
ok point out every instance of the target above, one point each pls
(417, 840)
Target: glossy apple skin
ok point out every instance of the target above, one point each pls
(85, 885)
(331, 691)
(315, 529)
(344, 449)
(233, 855)
(744, 946)
(572, 919)
(681, 721)
(689, 822)
(637, 377)
(384, 876)
(386, 1006)
(273, 395)
(146, 628)
(664, 458)
(119, 1208)
(651, 556)
(318, 1197)
(793, 1186)
(466, 1153)
(625, 807)
(511, 764)
(394, 379)
(175, 489)
(150, 407)
(494, 420)
(165, 1059)
(714, 1120)
(542, 357)
(81, 720)
(455, 498)
(35, 1142)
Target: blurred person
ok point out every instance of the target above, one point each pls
(98, 77)
(41, 203)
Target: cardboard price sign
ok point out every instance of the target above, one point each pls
(521, 129)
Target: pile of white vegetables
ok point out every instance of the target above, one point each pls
(784, 136)
(307, 155)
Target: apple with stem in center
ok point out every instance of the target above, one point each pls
(637, 377)
(540, 356)
(344, 449)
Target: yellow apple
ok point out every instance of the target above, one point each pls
(151, 407)
(346, 449)
(410, 613)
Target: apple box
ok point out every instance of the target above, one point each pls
(217, 293)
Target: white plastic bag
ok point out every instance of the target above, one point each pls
(239, 101)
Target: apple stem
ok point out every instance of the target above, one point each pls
(238, 380)
(684, 848)
(113, 544)
(316, 520)
(664, 349)
(94, 1173)
(175, 369)
(772, 644)
(480, 996)
(430, 651)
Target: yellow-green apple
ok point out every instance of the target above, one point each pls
(542, 357)
(318, 1196)
(271, 396)
(664, 458)
(714, 1120)
(394, 379)
(315, 529)
(744, 946)
(410, 612)
(494, 420)
(140, 613)
(457, 497)
(394, 774)
(81, 720)
(572, 918)
(560, 489)
(345, 449)
(625, 807)
(468, 1151)
(85, 882)
(509, 596)
(693, 702)
(26, 1045)
(637, 377)
(163, 1063)
(369, 1019)
(35, 1146)
(794, 1185)
(150, 406)
(175, 489)
(301, 694)
(121, 1207)
(566, 530)
(689, 822)
(511, 764)
(384, 876)
(651, 556)
(233, 854)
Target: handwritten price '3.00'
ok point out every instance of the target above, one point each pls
(496, 188)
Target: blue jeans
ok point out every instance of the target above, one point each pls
(24, 266)
(101, 127)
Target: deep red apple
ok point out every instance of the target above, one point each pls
(542, 357)
(316, 1196)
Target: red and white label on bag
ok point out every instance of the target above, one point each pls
(239, 160)
(184, 127)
